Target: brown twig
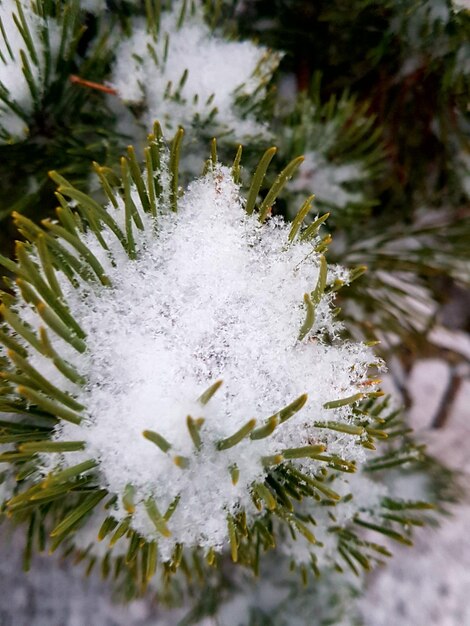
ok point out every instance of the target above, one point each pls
(91, 85)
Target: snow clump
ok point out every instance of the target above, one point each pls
(191, 76)
(211, 295)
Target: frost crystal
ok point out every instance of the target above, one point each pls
(212, 295)
(190, 76)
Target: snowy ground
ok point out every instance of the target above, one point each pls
(427, 586)
(430, 585)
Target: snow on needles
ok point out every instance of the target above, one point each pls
(212, 295)
(330, 180)
(189, 75)
(13, 80)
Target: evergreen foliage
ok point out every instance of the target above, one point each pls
(47, 120)
(300, 487)
(408, 106)
(243, 472)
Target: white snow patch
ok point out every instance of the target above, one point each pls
(461, 5)
(149, 71)
(454, 340)
(428, 380)
(327, 180)
(12, 78)
(431, 586)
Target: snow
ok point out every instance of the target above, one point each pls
(422, 586)
(275, 601)
(12, 77)
(53, 594)
(341, 179)
(328, 180)
(6, 485)
(429, 585)
(201, 303)
(429, 378)
(443, 598)
(424, 34)
(212, 295)
(11, 73)
(93, 6)
(367, 497)
(217, 73)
